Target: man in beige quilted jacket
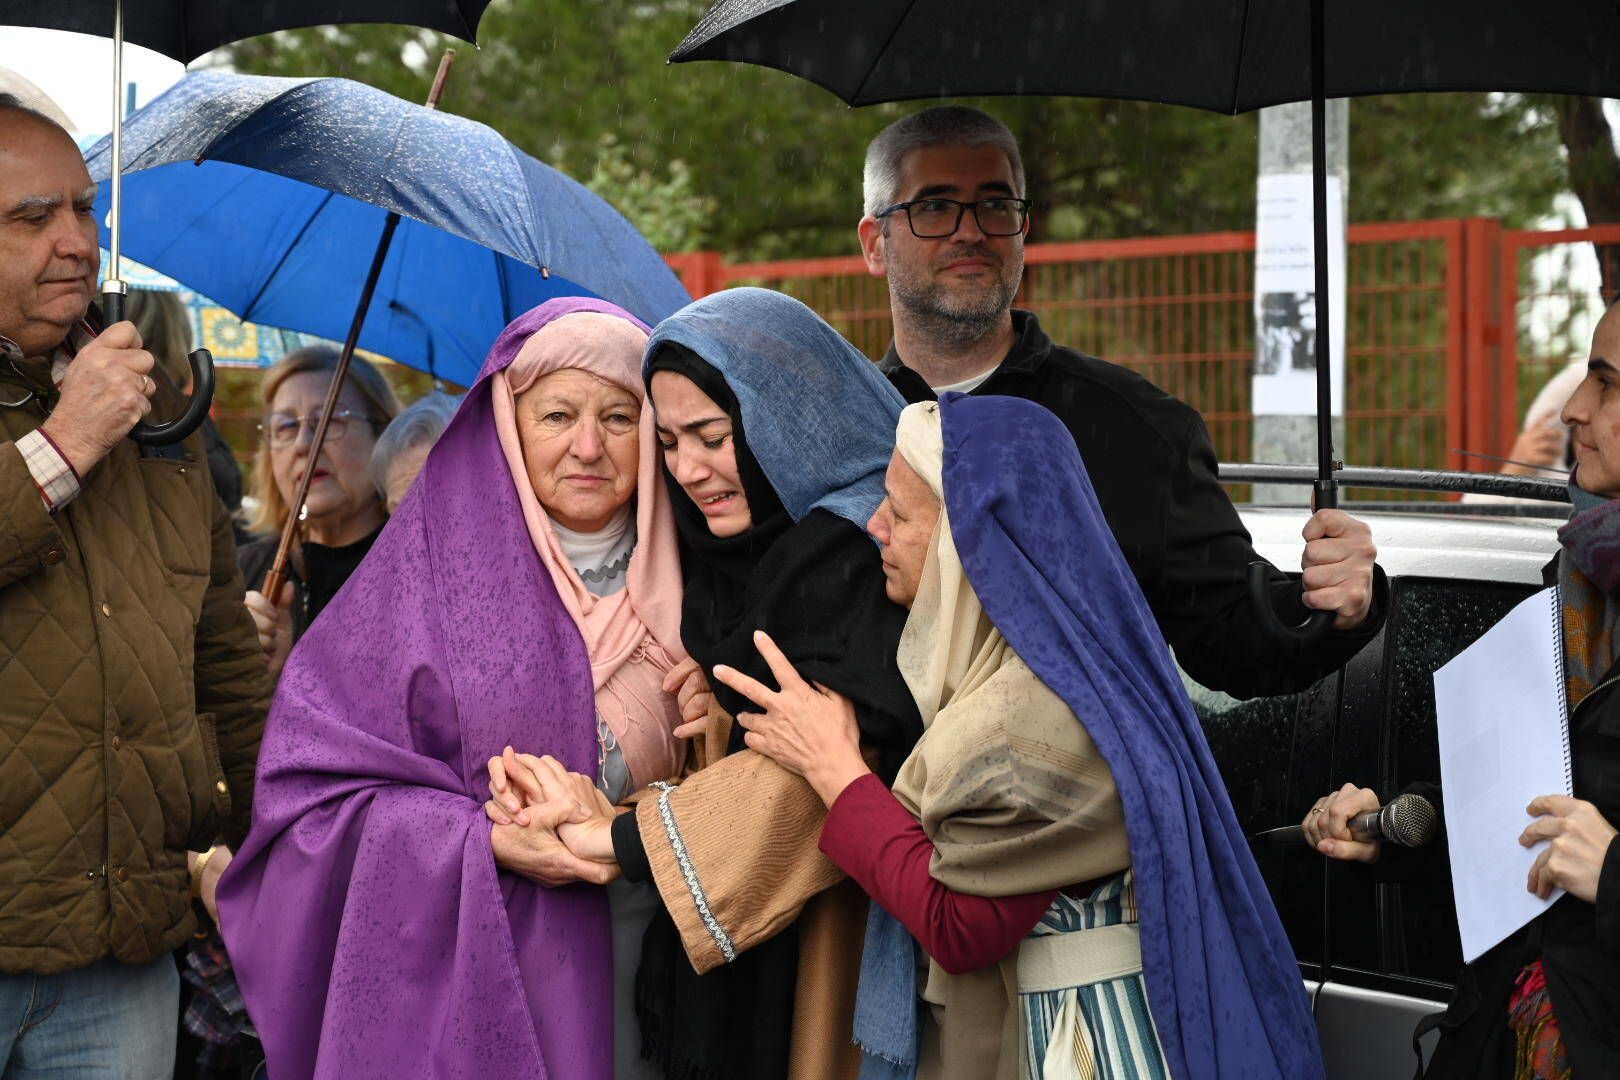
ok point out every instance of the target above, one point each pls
(132, 688)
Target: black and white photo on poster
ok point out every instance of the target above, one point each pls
(1287, 333)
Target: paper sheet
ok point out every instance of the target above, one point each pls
(1503, 741)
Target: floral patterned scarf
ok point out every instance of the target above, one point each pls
(1588, 574)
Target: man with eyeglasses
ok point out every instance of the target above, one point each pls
(132, 690)
(945, 218)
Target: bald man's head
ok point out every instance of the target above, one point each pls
(49, 253)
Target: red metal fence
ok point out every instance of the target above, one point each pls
(1430, 371)
(1552, 313)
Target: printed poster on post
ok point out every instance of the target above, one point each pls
(1285, 296)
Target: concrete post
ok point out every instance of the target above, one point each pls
(1285, 148)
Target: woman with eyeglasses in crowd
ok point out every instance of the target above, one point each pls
(344, 515)
(344, 511)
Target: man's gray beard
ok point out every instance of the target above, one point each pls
(947, 320)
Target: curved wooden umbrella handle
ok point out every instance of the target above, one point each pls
(202, 399)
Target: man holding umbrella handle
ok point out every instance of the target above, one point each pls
(105, 391)
(132, 690)
(945, 221)
(107, 388)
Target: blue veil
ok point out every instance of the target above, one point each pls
(820, 417)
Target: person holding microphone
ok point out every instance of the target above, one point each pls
(1545, 1002)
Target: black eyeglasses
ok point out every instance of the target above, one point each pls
(934, 219)
(281, 429)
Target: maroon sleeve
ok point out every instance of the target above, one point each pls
(877, 842)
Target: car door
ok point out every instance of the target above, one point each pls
(1270, 751)
(1393, 949)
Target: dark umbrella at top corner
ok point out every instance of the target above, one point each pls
(186, 29)
(1228, 56)
(183, 30)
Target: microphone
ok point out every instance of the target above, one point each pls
(1408, 820)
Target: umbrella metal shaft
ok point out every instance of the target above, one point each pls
(276, 577)
(1325, 492)
(113, 289)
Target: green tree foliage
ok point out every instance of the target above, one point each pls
(758, 164)
(669, 210)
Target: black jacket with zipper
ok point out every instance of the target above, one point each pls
(322, 573)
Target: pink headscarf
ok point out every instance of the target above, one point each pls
(633, 636)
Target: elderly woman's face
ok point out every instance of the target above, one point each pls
(341, 487)
(580, 436)
(904, 527)
(402, 473)
(695, 435)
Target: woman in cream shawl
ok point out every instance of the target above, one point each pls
(1061, 789)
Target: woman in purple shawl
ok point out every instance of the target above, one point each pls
(372, 930)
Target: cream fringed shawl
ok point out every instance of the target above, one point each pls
(1008, 785)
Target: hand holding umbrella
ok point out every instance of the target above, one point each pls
(105, 391)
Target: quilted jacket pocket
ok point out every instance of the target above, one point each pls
(173, 497)
(210, 795)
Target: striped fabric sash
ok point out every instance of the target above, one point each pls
(1085, 1012)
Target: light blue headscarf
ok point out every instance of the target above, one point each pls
(817, 414)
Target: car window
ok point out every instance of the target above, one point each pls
(1254, 744)
(1432, 621)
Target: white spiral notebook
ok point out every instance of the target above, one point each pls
(1504, 739)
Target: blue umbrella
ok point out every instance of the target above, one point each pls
(270, 195)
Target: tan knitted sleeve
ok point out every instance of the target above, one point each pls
(733, 852)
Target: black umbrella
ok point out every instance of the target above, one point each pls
(1228, 56)
(183, 30)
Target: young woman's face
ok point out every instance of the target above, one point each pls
(696, 438)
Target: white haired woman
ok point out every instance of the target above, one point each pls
(403, 447)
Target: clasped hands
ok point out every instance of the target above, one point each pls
(550, 825)
(553, 826)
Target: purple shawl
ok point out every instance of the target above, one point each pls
(369, 928)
